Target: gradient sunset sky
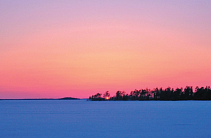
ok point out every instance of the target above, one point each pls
(59, 48)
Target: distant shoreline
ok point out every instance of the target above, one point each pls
(65, 98)
(160, 94)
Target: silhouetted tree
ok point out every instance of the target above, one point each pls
(202, 93)
(134, 95)
(96, 97)
(156, 93)
(177, 94)
(106, 94)
(119, 95)
(188, 91)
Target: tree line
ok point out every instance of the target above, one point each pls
(167, 94)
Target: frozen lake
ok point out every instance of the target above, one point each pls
(104, 119)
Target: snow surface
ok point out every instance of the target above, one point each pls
(104, 119)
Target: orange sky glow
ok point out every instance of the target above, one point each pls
(60, 48)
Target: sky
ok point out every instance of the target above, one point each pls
(77, 48)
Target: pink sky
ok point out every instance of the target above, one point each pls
(55, 49)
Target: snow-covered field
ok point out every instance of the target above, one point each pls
(105, 119)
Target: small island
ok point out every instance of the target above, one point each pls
(69, 98)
